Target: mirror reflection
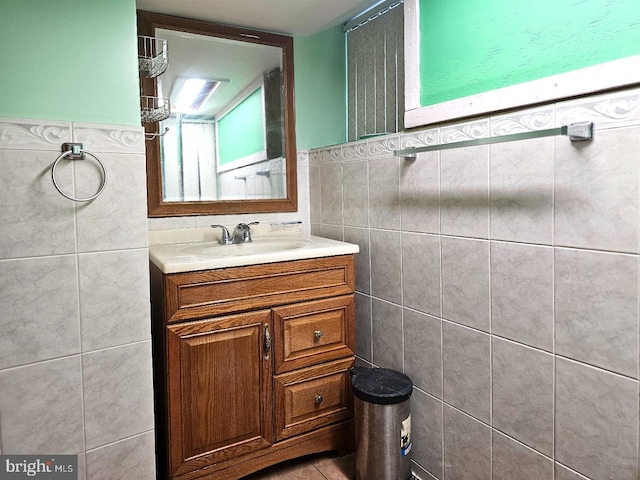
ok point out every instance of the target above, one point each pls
(224, 138)
(230, 146)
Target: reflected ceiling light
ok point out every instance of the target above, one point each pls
(190, 94)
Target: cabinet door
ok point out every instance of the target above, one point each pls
(219, 389)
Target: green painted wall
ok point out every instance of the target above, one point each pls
(468, 47)
(320, 71)
(75, 60)
(71, 60)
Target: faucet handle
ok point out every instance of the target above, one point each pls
(225, 238)
(245, 226)
(242, 232)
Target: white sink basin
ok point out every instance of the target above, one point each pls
(207, 255)
(234, 250)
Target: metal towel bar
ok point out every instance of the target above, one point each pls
(577, 132)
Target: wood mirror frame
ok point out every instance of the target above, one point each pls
(157, 206)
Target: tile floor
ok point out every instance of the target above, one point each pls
(326, 466)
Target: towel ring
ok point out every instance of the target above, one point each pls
(75, 151)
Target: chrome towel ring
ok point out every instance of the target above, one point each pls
(75, 151)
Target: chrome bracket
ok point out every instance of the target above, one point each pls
(151, 136)
(579, 132)
(75, 149)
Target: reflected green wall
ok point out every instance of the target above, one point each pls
(71, 60)
(320, 89)
(241, 131)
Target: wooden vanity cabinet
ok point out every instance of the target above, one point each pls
(251, 365)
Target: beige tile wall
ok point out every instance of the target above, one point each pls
(75, 348)
(503, 280)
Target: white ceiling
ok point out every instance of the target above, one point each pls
(198, 56)
(293, 17)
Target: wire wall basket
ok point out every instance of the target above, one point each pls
(154, 109)
(152, 56)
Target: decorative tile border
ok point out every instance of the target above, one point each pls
(422, 138)
(609, 110)
(355, 150)
(102, 138)
(27, 134)
(331, 154)
(315, 156)
(465, 131)
(383, 146)
(303, 158)
(523, 121)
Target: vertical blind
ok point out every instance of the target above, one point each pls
(375, 71)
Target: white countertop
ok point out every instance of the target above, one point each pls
(186, 251)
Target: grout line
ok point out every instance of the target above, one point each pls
(342, 199)
(553, 440)
(37, 362)
(553, 300)
(370, 262)
(320, 471)
(490, 286)
(541, 245)
(370, 329)
(402, 299)
(37, 257)
(82, 396)
(121, 440)
(595, 367)
(440, 235)
(443, 437)
(442, 430)
(522, 444)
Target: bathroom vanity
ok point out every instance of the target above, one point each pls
(252, 352)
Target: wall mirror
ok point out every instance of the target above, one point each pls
(228, 145)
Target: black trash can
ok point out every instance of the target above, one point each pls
(383, 423)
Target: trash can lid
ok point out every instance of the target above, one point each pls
(380, 386)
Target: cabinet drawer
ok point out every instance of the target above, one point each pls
(204, 294)
(313, 332)
(312, 397)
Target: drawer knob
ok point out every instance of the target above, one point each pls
(319, 399)
(318, 334)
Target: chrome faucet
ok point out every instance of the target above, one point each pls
(242, 232)
(225, 238)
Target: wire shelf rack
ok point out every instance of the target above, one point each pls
(152, 56)
(154, 109)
